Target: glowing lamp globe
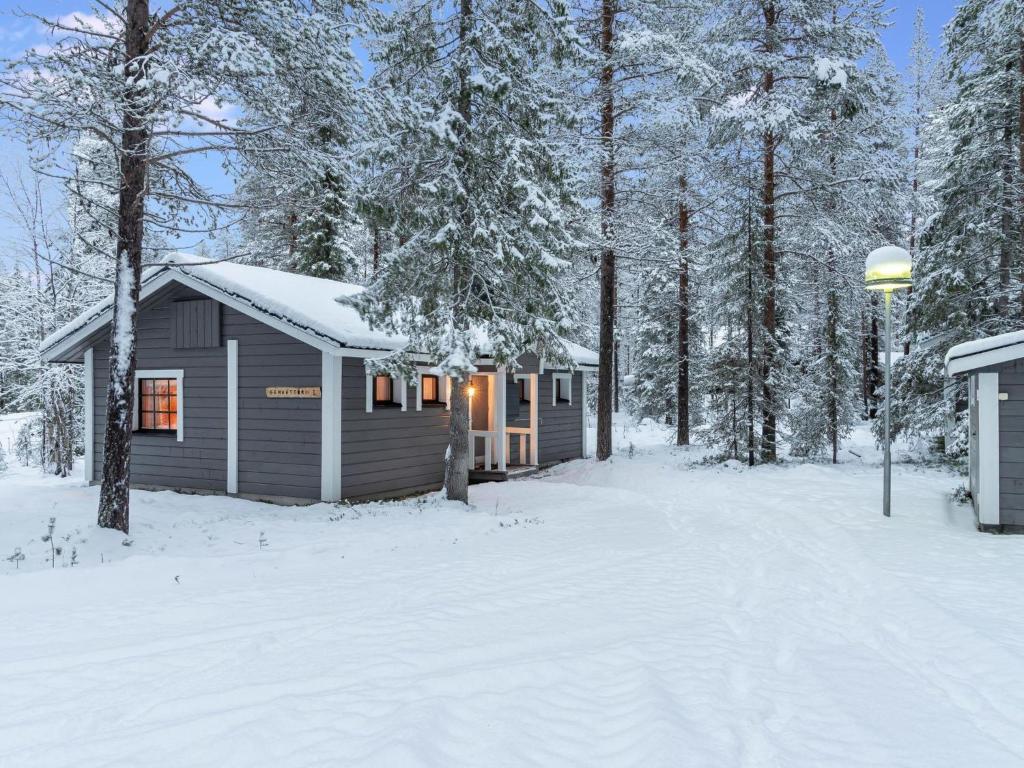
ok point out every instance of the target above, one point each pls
(887, 269)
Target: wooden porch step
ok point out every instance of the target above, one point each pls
(494, 476)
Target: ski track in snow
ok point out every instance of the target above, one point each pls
(646, 612)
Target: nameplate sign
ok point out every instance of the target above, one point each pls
(293, 392)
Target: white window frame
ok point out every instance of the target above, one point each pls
(397, 383)
(179, 375)
(444, 389)
(517, 377)
(565, 377)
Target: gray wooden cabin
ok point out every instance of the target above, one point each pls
(995, 384)
(253, 382)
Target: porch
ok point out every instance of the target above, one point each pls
(503, 425)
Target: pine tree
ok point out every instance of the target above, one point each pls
(465, 132)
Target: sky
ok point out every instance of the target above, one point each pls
(18, 33)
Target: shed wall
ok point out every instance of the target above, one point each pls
(1011, 444)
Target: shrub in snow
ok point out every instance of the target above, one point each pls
(961, 495)
(55, 550)
(28, 445)
(16, 558)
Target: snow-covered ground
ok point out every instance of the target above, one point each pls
(650, 611)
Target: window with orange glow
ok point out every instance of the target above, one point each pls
(431, 389)
(158, 405)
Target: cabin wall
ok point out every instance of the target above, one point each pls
(278, 439)
(561, 425)
(388, 452)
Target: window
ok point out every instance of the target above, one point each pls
(561, 388)
(383, 390)
(431, 389)
(524, 390)
(158, 405)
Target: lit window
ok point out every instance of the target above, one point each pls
(383, 392)
(431, 393)
(158, 405)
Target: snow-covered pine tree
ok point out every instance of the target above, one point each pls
(465, 132)
(970, 256)
(774, 50)
(852, 176)
(151, 83)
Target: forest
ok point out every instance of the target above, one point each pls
(689, 187)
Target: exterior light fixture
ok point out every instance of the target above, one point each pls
(887, 269)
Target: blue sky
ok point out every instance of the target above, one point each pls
(18, 33)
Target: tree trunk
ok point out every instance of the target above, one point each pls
(456, 462)
(875, 376)
(117, 442)
(683, 330)
(606, 341)
(456, 466)
(751, 456)
(832, 322)
(768, 318)
(376, 249)
(1020, 162)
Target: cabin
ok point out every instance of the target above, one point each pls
(253, 382)
(995, 384)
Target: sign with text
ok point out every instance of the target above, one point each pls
(293, 392)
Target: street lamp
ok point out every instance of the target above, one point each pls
(887, 269)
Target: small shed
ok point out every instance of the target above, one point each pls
(995, 374)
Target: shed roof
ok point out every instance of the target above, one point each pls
(299, 304)
(982, 353)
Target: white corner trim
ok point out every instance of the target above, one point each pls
(988, 448)
(369, 393)
(583, 411)
(565, 377)
(162, 373)
(89, 414)
(540, 364)
(419, 391)
(330, 427)
(501, 415)
(232, 478)
(403, 391)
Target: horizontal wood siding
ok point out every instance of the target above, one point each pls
(278, 438)
(561, 435)
(1011, 444)
(388, 452)
(200, 460)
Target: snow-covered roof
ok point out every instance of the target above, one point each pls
(286, 300)
(981, 353)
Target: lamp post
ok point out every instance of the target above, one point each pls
(887, 269)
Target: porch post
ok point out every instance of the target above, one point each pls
(535, 417)
(500, 381)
